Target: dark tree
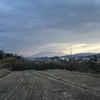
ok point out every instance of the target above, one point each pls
(52, 58)
(95, 58)
(18, 56)
(8, 55)
(56, 58)
(1, 54)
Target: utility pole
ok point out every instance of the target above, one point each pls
(71, 52)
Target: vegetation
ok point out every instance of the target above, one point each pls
(4, 55)
(15, 62)
(7, 59)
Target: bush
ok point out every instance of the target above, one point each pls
(93, 66)
(22, 65)
(9, 60)
(72, 65)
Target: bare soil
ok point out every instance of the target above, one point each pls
(89, 81)
(36, 85)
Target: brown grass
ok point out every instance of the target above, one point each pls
(31, 85)
(4, 72)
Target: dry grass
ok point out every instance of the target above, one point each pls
(71, 82)
(4, 72)
(31, 85)
(87, 81)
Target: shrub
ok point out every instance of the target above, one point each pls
(93, 66)
(22, 65)
(72, 65)
(9, 60)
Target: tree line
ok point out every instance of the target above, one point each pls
(4, 55)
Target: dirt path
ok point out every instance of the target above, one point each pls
(31, 85)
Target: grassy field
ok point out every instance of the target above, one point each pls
(49, 85)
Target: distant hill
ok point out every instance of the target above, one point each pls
(84, 54)
(52, 54)
(47, 54)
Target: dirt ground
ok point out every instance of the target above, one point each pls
(39, 85)
(82, 79)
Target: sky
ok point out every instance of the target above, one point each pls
(31, 26)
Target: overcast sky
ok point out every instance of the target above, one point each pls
(31, 26)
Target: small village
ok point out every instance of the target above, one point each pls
(66, 58)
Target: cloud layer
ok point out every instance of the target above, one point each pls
(28, 26)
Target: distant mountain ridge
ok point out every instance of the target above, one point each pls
(52, 54)
(84, 54)
(47, 54)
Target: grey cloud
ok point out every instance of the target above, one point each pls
(53, 14)
(72, 17)
(27, 23)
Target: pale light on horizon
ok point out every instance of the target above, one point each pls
(65, 48)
